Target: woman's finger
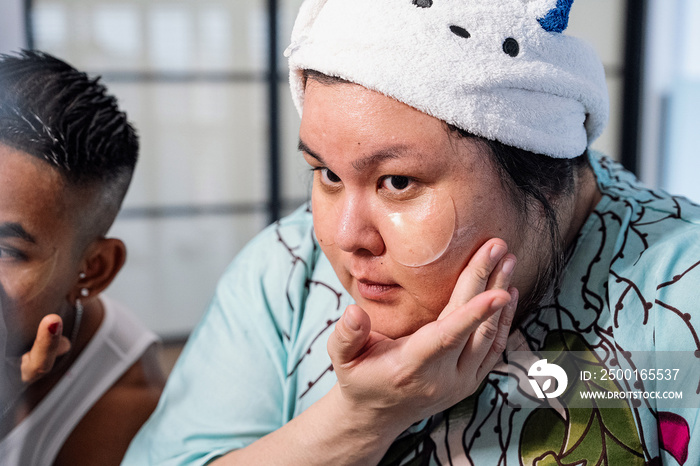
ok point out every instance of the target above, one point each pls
(499, 343)
(350, 335)
(491, 332)
(503, 273)
(476, 275)
(48, 345)
(455, 330)
(482, 339)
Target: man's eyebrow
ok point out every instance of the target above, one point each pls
(362, 164)
(15, 230)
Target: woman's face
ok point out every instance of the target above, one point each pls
(38, 267)
(399, 205)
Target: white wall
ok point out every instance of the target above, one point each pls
(671, 105)
(602, 24)
(12, 34)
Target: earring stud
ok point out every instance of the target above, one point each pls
(82, 275)
(84, 292)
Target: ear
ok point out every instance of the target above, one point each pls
(102, 262)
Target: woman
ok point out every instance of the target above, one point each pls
(448, 140)
(79, 373)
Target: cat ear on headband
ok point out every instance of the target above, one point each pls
(555, 12)
(557, 18)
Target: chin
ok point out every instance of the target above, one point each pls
(395, 331)
(396, 321)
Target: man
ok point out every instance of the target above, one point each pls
(88, 376)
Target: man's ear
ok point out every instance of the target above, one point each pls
(103, 260)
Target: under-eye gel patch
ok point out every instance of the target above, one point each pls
(415, 232)
(418, 232)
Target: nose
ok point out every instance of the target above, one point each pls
(356, 230)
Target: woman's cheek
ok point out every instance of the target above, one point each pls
(415, 233)
(323, 220)
(431, 286)
(418, 232)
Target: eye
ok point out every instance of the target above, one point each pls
(511, 47)
(395, 183)
(6, 253)
(328, 177)
(460, 31)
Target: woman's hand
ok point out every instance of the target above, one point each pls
(385, 385)
(402, 381)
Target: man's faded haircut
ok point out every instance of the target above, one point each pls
(57, 114)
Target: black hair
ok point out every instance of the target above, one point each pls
(536, 180)
(52, 111)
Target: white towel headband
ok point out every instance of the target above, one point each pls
(500, 69)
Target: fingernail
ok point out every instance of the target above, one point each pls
(499, 303)
(53, 328)
(497, 251)
(351, 322)
(514, 294)
(508, 266)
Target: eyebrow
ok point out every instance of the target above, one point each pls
(302, 147)
(364, 163)
(15, 230)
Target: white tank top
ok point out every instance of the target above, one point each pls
(116, 346)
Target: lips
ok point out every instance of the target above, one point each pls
(376, 291)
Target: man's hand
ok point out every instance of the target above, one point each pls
(48, 345)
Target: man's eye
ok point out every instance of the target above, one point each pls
(6, 253)
(328, 177)
(396, 183)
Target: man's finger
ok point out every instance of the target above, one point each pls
(48, 345)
